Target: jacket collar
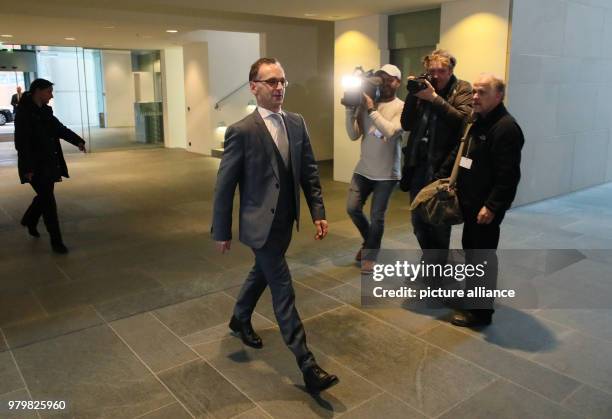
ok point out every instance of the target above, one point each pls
(449, 87)
(493, 116)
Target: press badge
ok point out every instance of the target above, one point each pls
(465, 163)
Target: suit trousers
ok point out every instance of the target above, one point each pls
(271, 270)
(44, 204)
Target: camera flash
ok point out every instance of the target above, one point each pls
(351, 82)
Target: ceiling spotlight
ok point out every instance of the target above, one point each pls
(6, 36)
(70, 38)
(109, 27)
(310, 14)
(171, 31)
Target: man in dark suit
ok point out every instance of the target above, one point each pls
(268, 154)
(15, 100)
(40, 159)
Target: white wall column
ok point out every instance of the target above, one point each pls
(197, 97)
(118, 88)
(173, 86)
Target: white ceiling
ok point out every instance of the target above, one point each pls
(137, 24)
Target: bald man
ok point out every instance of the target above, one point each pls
(489, 174)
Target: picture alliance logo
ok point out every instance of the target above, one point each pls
(413, 271)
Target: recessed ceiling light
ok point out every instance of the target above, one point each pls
(310, 14)
(70, 38)
(6, 36)
(335, 17)
(109, 27)
(171, 30)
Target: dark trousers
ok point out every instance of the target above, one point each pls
(44, 204)
(371, 230)
(271, 270)
(480, 243)
(429, 236)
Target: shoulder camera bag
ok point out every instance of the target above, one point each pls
(437, 203)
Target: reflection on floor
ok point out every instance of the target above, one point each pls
(132, 323)
(98, 139)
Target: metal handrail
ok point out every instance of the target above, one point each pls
(230, 94)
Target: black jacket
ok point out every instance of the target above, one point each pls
(446, 118)
(494, 146)
(37, 134)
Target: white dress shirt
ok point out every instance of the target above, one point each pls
(275, 125)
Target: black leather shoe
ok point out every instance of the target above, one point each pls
(59, 248)
(317, 379)
(472, 318)
(245, 332)
(32, 230)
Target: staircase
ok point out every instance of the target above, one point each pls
(217, 152)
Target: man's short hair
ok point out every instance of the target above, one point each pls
(442, 56)
(255, 66)
(498, 84)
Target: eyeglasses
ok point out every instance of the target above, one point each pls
(274, 82)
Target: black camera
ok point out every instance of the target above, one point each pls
(358, 83)
(418, 84)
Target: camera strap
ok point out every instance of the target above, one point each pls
(431, 147)
(455, 172)
(420, 132)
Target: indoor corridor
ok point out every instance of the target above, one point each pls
(133, 321)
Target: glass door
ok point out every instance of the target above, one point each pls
(123, 96)
(63, 66)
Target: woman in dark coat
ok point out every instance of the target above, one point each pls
(40, 159)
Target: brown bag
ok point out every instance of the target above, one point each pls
(437, 203)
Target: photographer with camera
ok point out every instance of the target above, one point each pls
(436, 107)
(376, 120)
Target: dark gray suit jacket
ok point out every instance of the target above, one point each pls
(249, 161)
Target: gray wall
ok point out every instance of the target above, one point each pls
(560, 91)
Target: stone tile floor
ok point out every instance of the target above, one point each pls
(132, 323)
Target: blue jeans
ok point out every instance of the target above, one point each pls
(371, 230)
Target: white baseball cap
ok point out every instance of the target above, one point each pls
(392, 70)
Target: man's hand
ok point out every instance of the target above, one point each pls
(82, 147)
(428, 94)
(322, 227)
(224, 246)
(485, 216)
(29, 176)
(368, 101)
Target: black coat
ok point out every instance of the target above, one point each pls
(447, 115)
(494, 146)
(37, 134)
